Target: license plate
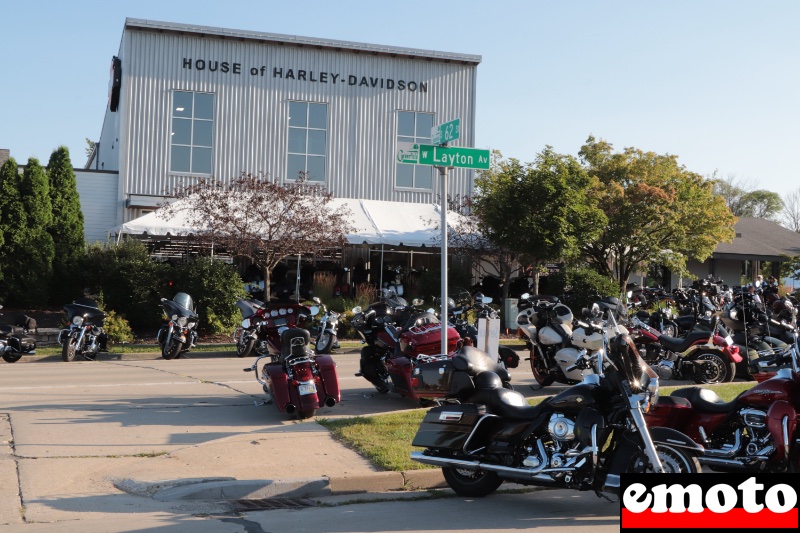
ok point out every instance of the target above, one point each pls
(307, 388)
(728, 340)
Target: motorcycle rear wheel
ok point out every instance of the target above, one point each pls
(324, 343)
(303, 415)
(717, 370)
(244, 346)
(171, 349)
(473, 484)
(69, 350)
(12, 357)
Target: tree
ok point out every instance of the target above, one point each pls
(744, 200)
(10, 209)
(790, 210)
(657, 211)
(66, 228)
(28, 254)
(263, 220)
(542, 210)
(90, 144)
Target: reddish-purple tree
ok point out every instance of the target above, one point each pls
(261, 219)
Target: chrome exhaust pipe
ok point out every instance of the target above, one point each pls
(290, 408)
(717, 461)
(330, 401)
(503, 471)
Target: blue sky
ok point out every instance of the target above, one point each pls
(715, 82)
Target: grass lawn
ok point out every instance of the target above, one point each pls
(386, 439)
(142, 348)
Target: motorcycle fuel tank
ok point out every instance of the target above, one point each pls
(549, 336)
(566, 357)
(575, 398)
(587, 338)
(770, 391)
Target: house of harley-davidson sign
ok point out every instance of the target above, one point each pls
(227, 67)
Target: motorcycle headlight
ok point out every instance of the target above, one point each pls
(733, 314)
(182, 321)
(174, 318)
(190, 325)
(77, 320)
(246, 323)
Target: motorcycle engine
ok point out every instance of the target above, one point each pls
(561, 428)
(760, 440)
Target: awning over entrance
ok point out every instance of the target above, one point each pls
(376, 222)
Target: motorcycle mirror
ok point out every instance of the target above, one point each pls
(316, 299)
(314, 309)
(356, 309)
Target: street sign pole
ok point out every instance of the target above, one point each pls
(445, 322)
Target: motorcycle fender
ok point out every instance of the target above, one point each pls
(328, 377)
(775, 416)
(278, 385)
(399, 369)
(697, 349)
(673, 437)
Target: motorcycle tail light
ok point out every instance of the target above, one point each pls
(415, 382)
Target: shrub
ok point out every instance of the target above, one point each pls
(117, 328)
(324, 285)
(215, 288)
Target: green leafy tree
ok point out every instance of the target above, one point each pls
(542, 210)
(746, 201)
(66, 228)
(657, 211)
(28, 254)
(790, 210)
(10, 210)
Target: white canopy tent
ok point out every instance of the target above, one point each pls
(376, 222)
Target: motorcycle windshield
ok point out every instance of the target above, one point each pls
(176, 305)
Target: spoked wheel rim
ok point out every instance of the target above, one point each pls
(324, 341)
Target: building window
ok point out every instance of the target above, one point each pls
(308, 140)
(414, 127)
(192, 132)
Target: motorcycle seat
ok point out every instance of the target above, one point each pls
(677, 344)
(504, 403)
(294, 342)
(705, 400)
(7, 330)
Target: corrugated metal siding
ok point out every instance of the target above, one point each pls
(252, 111)
(98, 196)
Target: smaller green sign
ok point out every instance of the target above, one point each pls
(444, 133)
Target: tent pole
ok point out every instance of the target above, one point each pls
(297, 284)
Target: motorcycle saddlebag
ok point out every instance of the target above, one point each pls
(330, 380)
(22, 344)
(448, 426)
(432, 377)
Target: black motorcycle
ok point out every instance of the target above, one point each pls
(14, 339)
(84, 335)
(178, 334)
(583, 438)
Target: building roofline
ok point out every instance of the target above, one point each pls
(295, 40)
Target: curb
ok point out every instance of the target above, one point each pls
(217, 489)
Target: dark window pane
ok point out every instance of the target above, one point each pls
(424, 124)
(405, 175)
(202, 133)
(316, 168)
(181, 131)
(204, 106)
(405, 123)
(179, 161)
(317, 116)
(297, 114)
(182, 104)
(316, 142)
(406, 139)
(424, 177)
(201, 160)
(295, 165)
(297, 140)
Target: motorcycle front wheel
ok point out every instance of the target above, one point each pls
(674, 460)
(171, 349)
(69, 350)
(544, 377)
(12, 357)
(471, 483)
(324, 342)
(715, 369)
(244, 346)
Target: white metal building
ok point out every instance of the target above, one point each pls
(190, 101)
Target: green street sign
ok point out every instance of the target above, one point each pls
(444, 133)
(453, 156)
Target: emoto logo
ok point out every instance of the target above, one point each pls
(709, 501)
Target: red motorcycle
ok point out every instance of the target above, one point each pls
(703, 355)
(406, 359)
(295, 379)
(757, 431)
